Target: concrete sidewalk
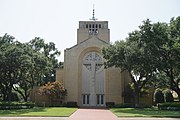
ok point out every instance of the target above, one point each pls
(93, 114)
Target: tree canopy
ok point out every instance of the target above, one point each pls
(151, 50)
(25, 65)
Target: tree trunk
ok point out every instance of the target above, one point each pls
(6, 94)
(178, 95)
(25, 95)
(136, 94)
(136, 97)
(173, 84)
(136, 90)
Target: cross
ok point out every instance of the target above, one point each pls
(93, 62)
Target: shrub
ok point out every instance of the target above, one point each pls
(53, 90)
(16, 105)
(13, 97)
(124, 105)
(72, 104)
(158, 96)
(110, 104)
(168, 97)
(169, 106)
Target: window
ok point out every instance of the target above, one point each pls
(86, 25)
(85, 99)
(100, 99)
(93, 26)
(99, 25)
(93, 29)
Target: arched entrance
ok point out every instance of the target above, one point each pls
(93, 80)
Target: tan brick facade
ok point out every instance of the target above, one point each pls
(87, 82)
(92, 36)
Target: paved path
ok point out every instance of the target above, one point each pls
(93, 114)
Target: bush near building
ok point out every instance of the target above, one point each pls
(169, 106)
(15, 105)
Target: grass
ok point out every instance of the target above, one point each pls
(40, 111)
(145, 112)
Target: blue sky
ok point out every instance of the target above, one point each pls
(57, 20)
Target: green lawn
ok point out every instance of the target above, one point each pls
(146, 112)
(40, 111)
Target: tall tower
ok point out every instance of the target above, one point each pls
(84, 76)
(88, 29)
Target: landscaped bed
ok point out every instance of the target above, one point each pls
(144, 112)
(40, 111)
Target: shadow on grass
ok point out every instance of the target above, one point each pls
(17, 112)
(144, 112)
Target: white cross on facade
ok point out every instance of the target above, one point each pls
(93, 62)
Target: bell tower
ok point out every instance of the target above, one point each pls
(93, 28)
(86, 80)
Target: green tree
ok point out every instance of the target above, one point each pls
(33, 66)
(7, 66)
(159, 80)
(142, 55)
(50, 51)
(130, 57)
(162, 40)
(171, 58)
(23, 66)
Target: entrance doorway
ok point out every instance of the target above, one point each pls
(93, 80)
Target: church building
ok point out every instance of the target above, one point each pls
(87, 82)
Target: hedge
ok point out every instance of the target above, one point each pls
(169, 106)
(71, 104)
(110, 104)
(16, 105)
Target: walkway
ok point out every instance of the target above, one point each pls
(93, 114)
